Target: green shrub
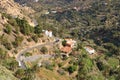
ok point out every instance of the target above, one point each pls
(12, 21)
(60, 64)
(37, 29)
(7, 44)
(8, 29)
(64, 42)
(3, 54)
(44, 50)
(50, 67)
(100, 66)
(29, 39)
(113, 62)
(28, 54)
(19, 73)
(35, 38)
(71, 69)
(18, 41)
(25, 28)
(10, 63)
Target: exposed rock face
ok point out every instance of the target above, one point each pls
(16, 10)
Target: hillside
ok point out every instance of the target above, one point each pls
(55, 4)
(6, 74)
(15, 10)
(104, 26)
(12, 35)
(60, 39)
(16, 34)
(95, 24)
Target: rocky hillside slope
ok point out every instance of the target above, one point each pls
(13, 18)
(15, 10)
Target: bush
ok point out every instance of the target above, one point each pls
(37, 29)
(100, 66)
(3, 54)
(19, 73)
(43, 50)
(12, 21)
(29, 39)
(71, 69)
(25, 28)
(15, 51)
(8, 29)
(18, 41)
(111, 48)
(61, 71)
(60, 64)
(35, 38)
(50, 67)
(28, 54)
(8, 46)
(64, 42)
(10, 63)
(6, 43)
(113, 62)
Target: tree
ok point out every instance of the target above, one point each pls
(35, 38)
(37, 29)
(29, 74)
(28, 54)
(12, 21)
(71, 69)
(100, 65)
(8, 29)
(18, 41)
(3, 54)
(25, 28)
(10, 63)
(19, 73)
(8, 46)
(6, 43)
(43, 50)
(111, 48)
(64, 42)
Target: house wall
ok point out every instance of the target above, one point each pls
(90, 51)
(48, 33)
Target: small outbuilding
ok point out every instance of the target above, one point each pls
(89, 49)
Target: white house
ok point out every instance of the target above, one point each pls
(89, 50)
(48, 33)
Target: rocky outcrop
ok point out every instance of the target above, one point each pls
(16, 10)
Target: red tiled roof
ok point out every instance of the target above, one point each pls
(66, 49)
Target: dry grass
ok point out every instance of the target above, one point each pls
(50, 75)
